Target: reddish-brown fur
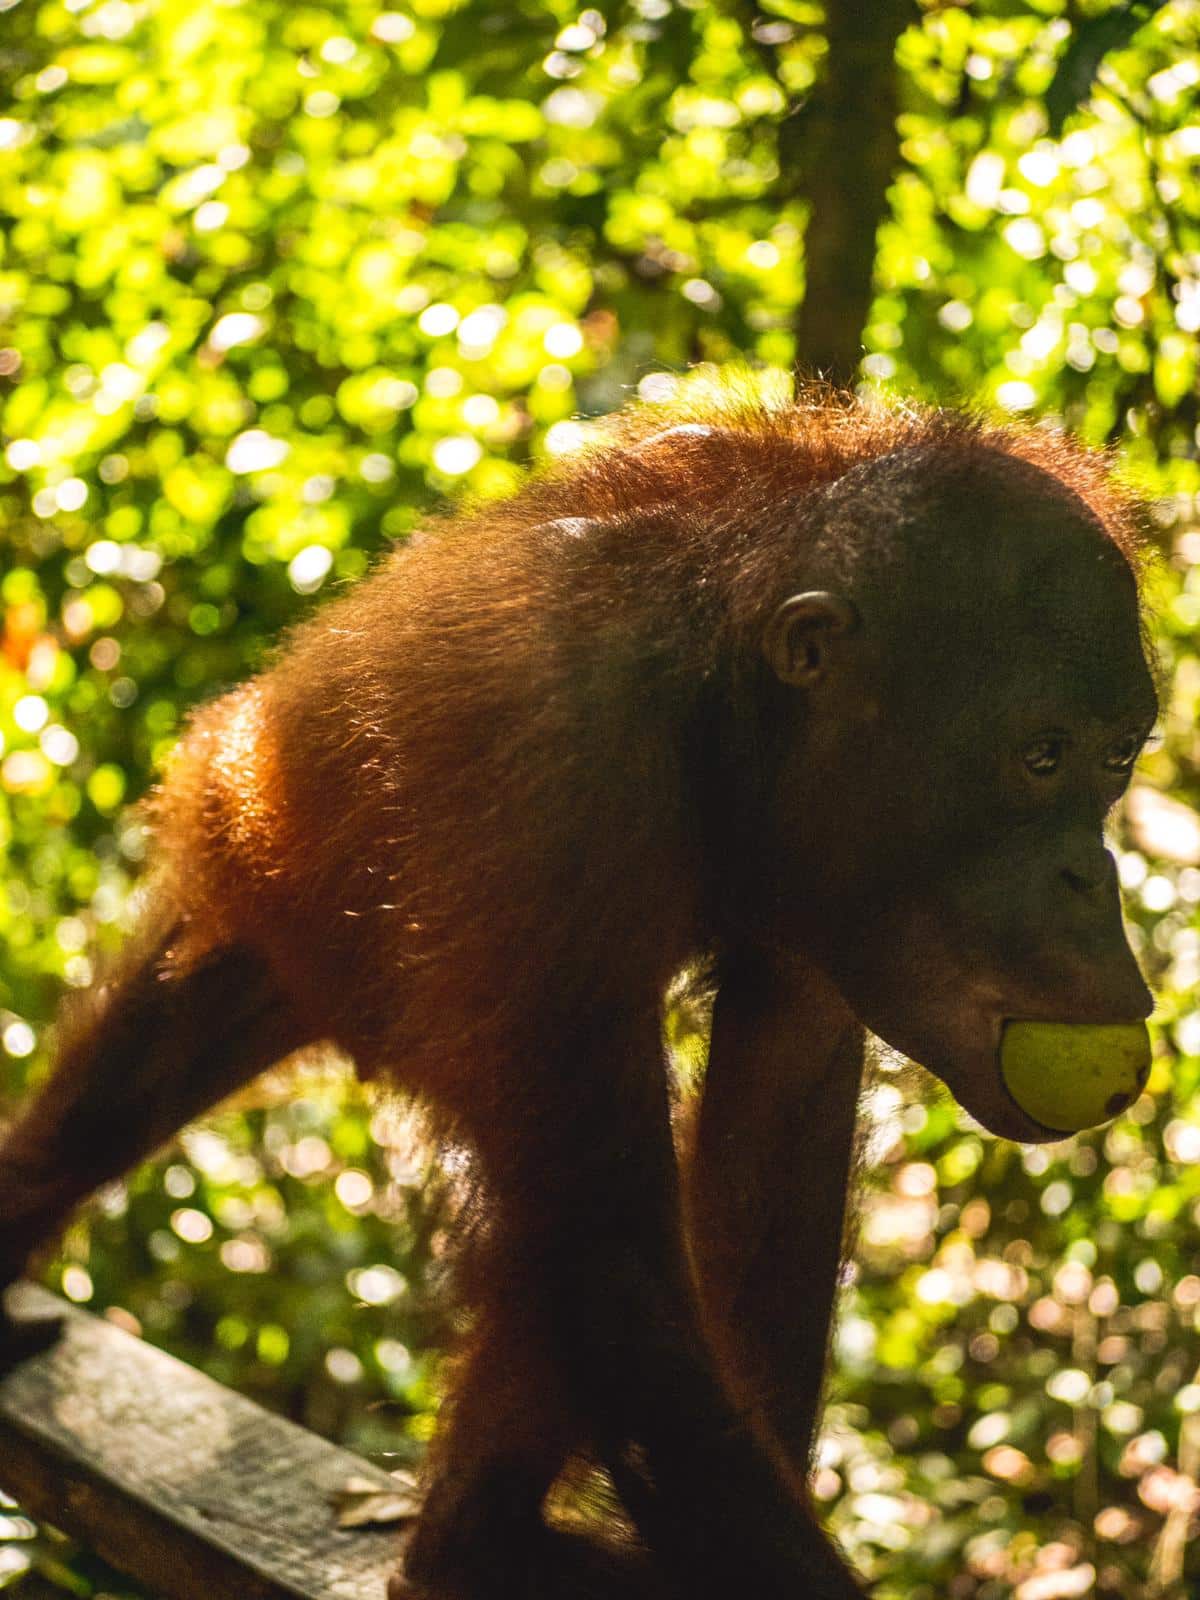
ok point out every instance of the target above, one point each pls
(454, 813)
(469, 826)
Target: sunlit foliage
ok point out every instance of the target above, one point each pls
(273, 278)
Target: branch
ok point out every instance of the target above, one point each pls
(1091, 41)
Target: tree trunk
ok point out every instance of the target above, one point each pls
(843, 151)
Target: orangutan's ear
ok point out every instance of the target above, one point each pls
(799, 637)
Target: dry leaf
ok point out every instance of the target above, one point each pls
(365, 1502)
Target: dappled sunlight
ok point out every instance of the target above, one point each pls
(273, 282)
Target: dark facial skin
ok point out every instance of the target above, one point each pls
(979, 804)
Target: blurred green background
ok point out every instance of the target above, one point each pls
(274, 278)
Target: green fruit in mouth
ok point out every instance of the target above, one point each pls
(1069, 1075)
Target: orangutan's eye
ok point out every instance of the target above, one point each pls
(1043, 757)
(1124, 753)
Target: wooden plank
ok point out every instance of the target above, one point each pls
(190, 1489)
